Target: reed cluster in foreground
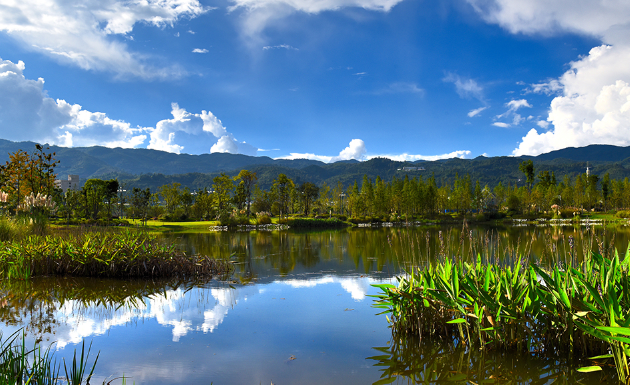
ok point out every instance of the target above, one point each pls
(580, 310)
(19, 365)
(123, 254)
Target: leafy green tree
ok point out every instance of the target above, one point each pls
(308, 193)
(248, 180)
(171, 196)
(140, 203)
(283, 187)
(223, 187)
(527, 168)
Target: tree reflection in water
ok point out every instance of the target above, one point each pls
(407, 360)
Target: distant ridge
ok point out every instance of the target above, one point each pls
(153, 168)
(592, 153)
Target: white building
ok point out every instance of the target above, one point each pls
(71, 184)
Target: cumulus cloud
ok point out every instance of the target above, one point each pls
(501, 124)
(200, 50)
(594, 107)
(28, 113)
(410, 157)
(355, 150)
(194, 129)
(84, 33)
(465, 87)
(476, 112)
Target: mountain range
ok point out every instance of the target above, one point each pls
(152, 168)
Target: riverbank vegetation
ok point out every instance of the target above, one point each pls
(505, 300)
(119, 254)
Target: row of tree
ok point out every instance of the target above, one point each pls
(240, 196)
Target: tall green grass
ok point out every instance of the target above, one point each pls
(123, 254)
(21, 366)
(573, 308)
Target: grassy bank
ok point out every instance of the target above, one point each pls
(575, 309)
(116, 254)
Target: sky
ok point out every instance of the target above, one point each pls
(318, 79)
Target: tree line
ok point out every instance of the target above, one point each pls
(241, 197)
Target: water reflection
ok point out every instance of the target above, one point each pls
(407, 360)
(262, 255)
(69, 310)
(304, 295)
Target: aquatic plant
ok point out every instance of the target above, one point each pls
(122, 254)
(20, 366)
(570, 308)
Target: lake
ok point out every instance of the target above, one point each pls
(296, 310)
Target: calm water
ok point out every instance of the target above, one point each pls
(296, 311)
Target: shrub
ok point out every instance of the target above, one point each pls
(263, 218)
(623, 214)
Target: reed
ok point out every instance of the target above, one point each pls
(575, 308)
(20, 366)
(123, 254)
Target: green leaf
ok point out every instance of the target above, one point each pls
(615, 329)
(589, 369)
(457, 321)
(601, 357)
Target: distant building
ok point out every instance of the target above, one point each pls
(411, 169)
(71, 184)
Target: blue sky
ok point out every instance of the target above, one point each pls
(319, 79)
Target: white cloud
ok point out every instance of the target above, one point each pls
(193, 129)
(466, 88)
(83, 33)
(410, 157)
(594, 17)
(476, 112)
(594, 107)
(542, 124)
(355, 150)
(512, 106)
(281, 46)
(200, 50)
(27, 113)
(550, 87)
(400, 88)
(258, 14)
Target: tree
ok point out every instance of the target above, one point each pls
(223, 187)
(140, 202)
(308, 194)
(248, 179)
(527, 168)
(282, 188)
(171, 195)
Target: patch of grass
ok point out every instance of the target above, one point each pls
(124, 254)
(19, 365)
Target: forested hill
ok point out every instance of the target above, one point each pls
(152, 168)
